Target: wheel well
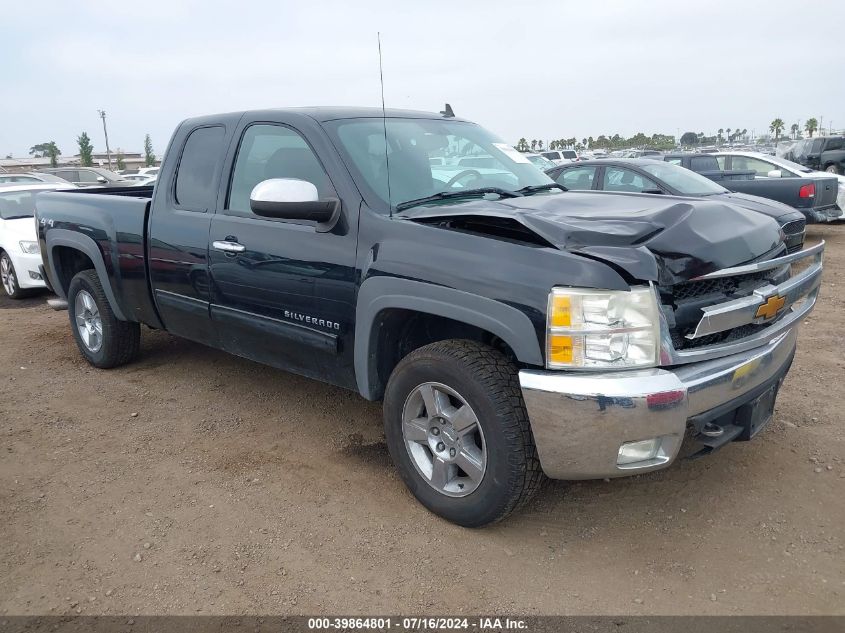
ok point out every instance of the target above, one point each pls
(400, 332)
(69, 261)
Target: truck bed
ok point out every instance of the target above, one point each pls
(108, 221)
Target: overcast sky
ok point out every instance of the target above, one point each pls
(534, 69)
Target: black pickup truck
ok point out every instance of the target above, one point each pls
(824, 153)
(513, 330)
(814, 197)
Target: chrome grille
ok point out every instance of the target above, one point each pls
(730, 310)
(796, 226)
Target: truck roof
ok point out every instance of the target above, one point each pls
(332, 113)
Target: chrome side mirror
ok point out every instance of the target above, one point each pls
(293, 199)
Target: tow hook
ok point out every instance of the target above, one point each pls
(712, 430)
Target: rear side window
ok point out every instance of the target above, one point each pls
(704, 163)
(835, 143)
(200, 162)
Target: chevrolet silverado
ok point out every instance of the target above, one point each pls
(514, 330)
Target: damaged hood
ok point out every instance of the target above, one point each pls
(665, 239)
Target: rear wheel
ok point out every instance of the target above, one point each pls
(457, 430)
(9, 278)
(103, 340)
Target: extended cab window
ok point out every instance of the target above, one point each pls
(704, 163)
(199, 163)
(577, 178)
(274, 151)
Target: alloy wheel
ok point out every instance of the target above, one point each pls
(89, 324)
(444, 439)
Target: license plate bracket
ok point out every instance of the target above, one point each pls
(755, 415)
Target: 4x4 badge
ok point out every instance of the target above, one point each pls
(773, 305)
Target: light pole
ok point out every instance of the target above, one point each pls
(106, 134)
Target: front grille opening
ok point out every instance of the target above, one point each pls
(683, 304)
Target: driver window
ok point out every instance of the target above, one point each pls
(619, 179)
(760, 168)
(579, 178)
(87, 176)
(274, 151)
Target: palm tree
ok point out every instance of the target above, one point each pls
(719, 134)
(534, 145)
(522, 146)
(776, 126)
(811, 126)
(794, 130)
(540, 145)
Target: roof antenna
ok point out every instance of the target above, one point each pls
(384, 122)
(447, 113)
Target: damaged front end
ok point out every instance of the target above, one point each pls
(647, 238)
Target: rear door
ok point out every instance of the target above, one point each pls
(286, 295)
(177, 248)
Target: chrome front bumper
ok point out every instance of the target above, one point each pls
(580, 420)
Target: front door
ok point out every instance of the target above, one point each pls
(282, 292)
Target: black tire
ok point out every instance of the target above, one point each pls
(121, 340)
(17, 291)
(489, 383)
(832, 169)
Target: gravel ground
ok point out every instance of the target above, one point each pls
(195, 482)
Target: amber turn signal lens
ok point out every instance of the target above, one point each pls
(560, 348)
(561, 311)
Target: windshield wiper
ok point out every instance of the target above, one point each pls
(445, 195)
(527, 191)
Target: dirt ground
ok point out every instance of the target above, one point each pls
(195, 482)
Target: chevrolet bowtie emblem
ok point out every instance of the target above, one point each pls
(773, 305)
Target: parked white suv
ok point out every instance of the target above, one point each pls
(20, 256)
(561, 156)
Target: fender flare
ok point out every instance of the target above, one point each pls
(84, 244)
(380, 293)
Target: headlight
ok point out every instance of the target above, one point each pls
(30, 248)
(602, 329)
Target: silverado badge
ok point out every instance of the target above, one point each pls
(773, 305)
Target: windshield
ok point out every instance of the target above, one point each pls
(684, 181)
(17, 204)
(430, 156)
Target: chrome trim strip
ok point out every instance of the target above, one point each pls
(816, 250)
(743, 311)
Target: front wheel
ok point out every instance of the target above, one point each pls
(103, 340)
(458, 432)
(9, 278)
(831, 169)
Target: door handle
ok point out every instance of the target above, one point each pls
(229, 247)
